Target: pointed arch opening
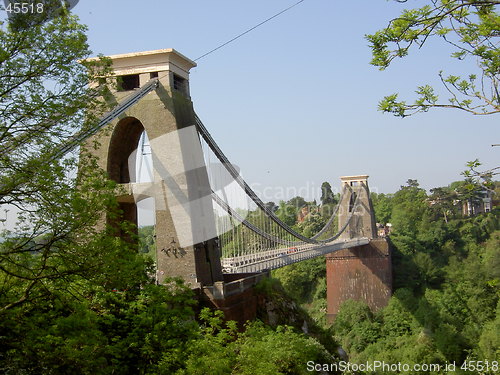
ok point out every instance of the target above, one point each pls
(352, 200)
(123, 145)
(130, 161)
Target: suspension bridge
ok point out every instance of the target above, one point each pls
(212, 229)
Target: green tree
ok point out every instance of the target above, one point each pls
(442, 202)
(409, 205)
(453, 313)
(475, 179)
(471, 27)
(327, 196)
(355, 327)
(382, 205)
(301, 279)
(271, 206)
(46, 98)
(312, 224)
(147, 240)
(258, 350)
(297, 202)
(287, 211)
(472, 189)
(138, 331)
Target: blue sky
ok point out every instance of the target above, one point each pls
(294, 102)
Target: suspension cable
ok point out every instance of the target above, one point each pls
(246, 223)
(268, 236)
(248, 190)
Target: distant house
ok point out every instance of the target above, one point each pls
(303, 212)
(484, 203)
(383, 230)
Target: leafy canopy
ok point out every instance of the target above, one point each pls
(472, 28)
(44, 99)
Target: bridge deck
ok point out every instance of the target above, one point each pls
(272, 259)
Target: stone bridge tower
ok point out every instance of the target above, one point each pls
(362, 223)
(186, 244)
(361, 273)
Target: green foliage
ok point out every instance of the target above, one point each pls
(147, 241)
(489, 341)
(297, 202)
(213, 351)
(287, 213)
(477, 181)
(311, 224)
(445, 306)
(45, 98)
(442, 203)
(73, 297)
(409, 206)
(258, 350)
(327, 196)
(446, 283)
(267, 352)
(471, 27)
(45, 93)
(355, 327)
(382, 205)
(302, 279)
(121, 331)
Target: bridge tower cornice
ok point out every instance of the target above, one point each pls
(358, 178)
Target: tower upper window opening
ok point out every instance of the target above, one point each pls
(180, 84)
(128, 82)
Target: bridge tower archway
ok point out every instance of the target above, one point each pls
(186, 244)
(123, 148)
